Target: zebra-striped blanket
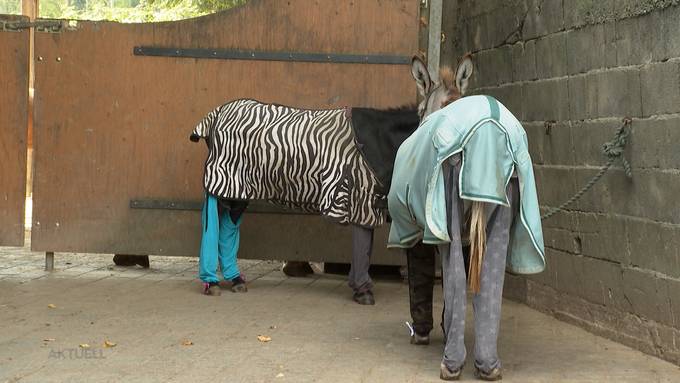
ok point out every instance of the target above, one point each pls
(298, 158)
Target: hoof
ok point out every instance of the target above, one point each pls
(446, 374)
(239, 288)
(212, 289)
(238, 284)
(364, 298)
(297, 269)
(491, 376)
(420, 340)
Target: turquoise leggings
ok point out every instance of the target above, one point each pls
(219, 242)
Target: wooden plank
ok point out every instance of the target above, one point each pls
(13, 133)
(434, 40)
(112, 127)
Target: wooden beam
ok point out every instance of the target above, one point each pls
(434, 39)
(29, 8)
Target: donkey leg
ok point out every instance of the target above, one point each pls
(209, 252)
(420, 261)
(454, 286)
(454, 282)
(358, 279)
(487, 303)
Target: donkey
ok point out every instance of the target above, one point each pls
(334, 162)
(467, 166)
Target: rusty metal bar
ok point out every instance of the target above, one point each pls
(233, 54)
(261, 207)
(164, 205)
(40, 25)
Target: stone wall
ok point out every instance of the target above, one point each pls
(571, 70)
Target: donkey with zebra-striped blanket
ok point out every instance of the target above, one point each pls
(335, 162)
(299, 158)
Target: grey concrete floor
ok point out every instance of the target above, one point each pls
(317, 333)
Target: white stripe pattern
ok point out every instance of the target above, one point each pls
(304, 159)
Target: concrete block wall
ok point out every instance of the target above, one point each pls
(571, 70)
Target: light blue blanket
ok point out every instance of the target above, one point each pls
(493, 145)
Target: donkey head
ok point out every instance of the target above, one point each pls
(439, 92)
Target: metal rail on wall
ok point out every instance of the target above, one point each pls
(254, 206)
(53, 26)
(235, 54)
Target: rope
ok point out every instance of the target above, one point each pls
(613, 150)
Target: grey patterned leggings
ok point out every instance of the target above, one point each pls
(487, 303)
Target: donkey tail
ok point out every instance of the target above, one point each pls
(477, 245)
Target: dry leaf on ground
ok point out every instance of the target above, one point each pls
(108, 344)
(187, 342)
(264, 338)
(49, 340)
(84, 345)
(52, 306)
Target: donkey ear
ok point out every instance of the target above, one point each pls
(420, 74)
(463, 74)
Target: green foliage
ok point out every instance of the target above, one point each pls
(218, 5)
(132, 11)
(10, 7)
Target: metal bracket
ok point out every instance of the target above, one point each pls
(261, 207)
(50, 26)
(235, 54)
